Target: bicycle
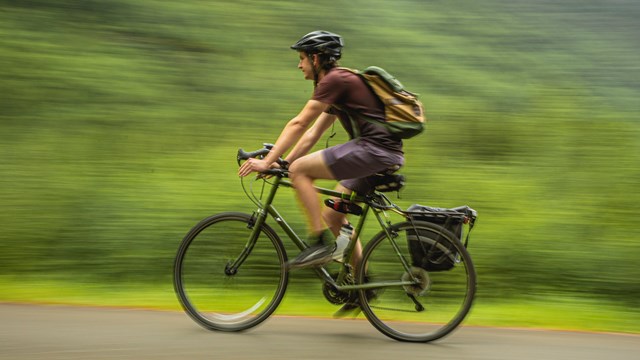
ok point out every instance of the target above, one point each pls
(230, 269)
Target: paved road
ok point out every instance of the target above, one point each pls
(59, 332)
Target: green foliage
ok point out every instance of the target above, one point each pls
(120, 121)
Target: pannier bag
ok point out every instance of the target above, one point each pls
(429, 249)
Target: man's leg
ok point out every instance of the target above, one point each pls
(335, 220)
(302, 173)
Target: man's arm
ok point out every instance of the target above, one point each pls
(294, 129)
(311, 136)
(291, 133)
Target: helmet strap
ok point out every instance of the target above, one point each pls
(316, 71)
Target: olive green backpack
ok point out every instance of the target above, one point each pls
(404, 114)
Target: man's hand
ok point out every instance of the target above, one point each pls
(252, 165)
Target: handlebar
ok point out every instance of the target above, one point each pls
(261, 153)
(244, 155)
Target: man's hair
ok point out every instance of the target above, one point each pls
(327, 61)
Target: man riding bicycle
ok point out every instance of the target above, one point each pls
(338, 93)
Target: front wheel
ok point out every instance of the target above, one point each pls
(219, 296)
(436, 301)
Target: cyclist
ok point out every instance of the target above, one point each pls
(337, 93)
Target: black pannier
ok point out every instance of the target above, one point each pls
(429, 249)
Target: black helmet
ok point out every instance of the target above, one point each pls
(320, 42)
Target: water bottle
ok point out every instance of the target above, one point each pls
(342, 241)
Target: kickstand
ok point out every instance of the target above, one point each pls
(419, 307)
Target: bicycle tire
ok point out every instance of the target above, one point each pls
(211, 296)
(446, 296)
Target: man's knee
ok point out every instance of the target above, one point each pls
(298, 169)
(311, 166)
(298, 177)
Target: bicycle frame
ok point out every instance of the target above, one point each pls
(267, 209)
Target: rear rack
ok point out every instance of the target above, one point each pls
(464, 213)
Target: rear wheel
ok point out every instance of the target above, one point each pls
(217, 296)
(435, 303)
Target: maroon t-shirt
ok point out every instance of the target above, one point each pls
(348, 93)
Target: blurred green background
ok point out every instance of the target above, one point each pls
(119, 123)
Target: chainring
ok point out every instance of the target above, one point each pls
(335, 296)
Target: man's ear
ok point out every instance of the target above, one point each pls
(315, 60)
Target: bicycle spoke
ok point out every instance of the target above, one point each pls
(426, 310)
(219, 297)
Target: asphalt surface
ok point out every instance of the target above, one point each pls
(61, 332)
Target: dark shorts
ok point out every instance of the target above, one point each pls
(353, 161)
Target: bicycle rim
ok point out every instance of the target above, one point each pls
(216, 299)
(442, 298)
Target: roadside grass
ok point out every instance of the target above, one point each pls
(570, 314)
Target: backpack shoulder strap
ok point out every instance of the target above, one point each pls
(354, 125)
(357, 72)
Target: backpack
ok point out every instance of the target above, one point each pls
(404, 114)
(427, 248)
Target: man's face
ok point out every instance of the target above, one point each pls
(306, 66)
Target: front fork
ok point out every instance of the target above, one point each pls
(255, 223)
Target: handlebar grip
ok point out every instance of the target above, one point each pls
(243, 155)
